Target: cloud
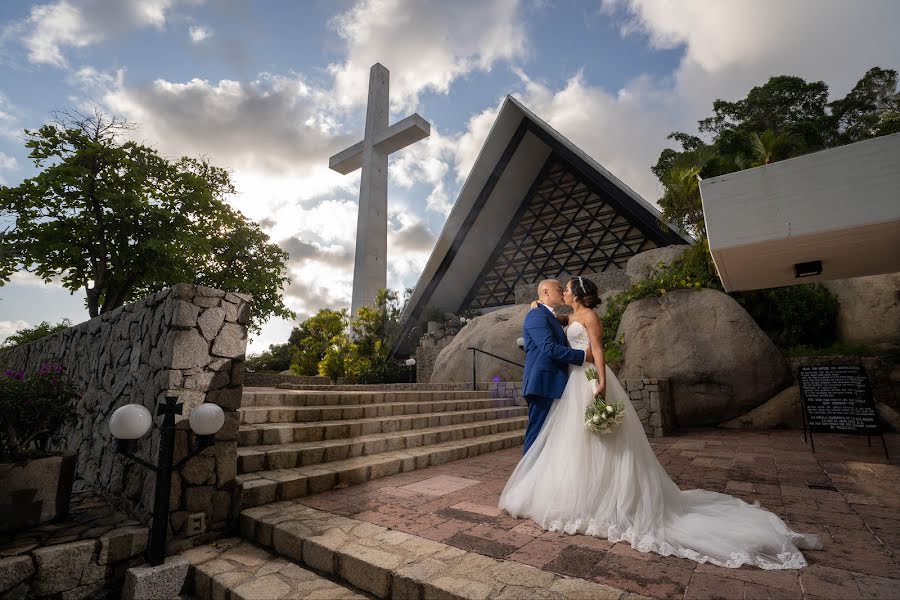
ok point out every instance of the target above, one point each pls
(304, 252)
(199, 34)
(274, 123)
(426, 45)
(7, 328)
(8, 162)
(727, 50)
(51, 28)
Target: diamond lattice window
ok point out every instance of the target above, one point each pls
(564, 227)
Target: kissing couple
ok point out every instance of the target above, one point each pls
(575, 481)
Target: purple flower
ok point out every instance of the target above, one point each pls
(13, 374)
(497, 379)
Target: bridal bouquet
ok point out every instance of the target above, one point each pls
(601, 417)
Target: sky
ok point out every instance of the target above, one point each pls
(270, 90)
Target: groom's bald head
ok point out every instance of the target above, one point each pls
(550, 292)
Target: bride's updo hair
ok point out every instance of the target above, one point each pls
(585, 291)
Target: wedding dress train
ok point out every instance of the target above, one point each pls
(612, 486)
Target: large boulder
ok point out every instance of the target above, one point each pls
(784, 411)
(870, 309)
(496, 332)
(640, 265)
(719, 362)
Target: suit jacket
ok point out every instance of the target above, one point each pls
(547, 355)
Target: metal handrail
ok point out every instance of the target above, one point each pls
(475, 352)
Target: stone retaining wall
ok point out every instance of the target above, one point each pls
(273, 379)
(187, 341)
(436, 338)
(83, 556)
(652, 400)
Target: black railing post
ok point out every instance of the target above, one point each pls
(474, 380)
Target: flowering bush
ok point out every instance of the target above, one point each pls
(34, 409)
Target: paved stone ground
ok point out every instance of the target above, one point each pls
(83, 555)
(859, 523)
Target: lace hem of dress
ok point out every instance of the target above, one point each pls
(614, 533)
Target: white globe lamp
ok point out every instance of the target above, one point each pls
(207, 419)
(520, 342)
(410, 362)
(130, 422)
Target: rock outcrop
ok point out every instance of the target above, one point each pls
(720, 363)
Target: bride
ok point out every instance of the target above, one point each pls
(612, 486)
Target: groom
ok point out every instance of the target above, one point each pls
(547, 356)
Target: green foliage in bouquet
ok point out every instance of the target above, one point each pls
(599, 416)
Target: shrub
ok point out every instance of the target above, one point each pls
(274, 360)
(791, 316)
(34, 410)
(794, 315)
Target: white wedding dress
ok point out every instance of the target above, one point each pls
(612, 486)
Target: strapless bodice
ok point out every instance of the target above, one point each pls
(577, 335)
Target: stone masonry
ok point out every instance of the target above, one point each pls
(653, 403)
(187, 341)
(84, 555)
(437, 337)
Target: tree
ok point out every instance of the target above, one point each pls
(117, 220)
(770, 147)
(312, 338)
(681, 202)
(782, 118)
(870, 109)
(30, 334)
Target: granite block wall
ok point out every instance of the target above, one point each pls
(188, 341)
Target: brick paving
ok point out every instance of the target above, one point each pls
(859, 523)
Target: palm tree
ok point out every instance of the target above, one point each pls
(770, 147)
(681, 202)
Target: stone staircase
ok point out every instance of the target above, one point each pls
(297, 440)
(300, 440)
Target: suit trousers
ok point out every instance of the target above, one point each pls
(538, 407)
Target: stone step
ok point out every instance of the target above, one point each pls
(284, 433)
(277, 397)
(235, 569)
(308, 414)
(283, 456)
(263, 487)
(393, 387)
(393, 564)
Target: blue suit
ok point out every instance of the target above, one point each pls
(547, 356)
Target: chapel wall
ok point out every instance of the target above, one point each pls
(189, 341)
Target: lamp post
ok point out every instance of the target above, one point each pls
(130, 422)
(520, 342)
(410, 362)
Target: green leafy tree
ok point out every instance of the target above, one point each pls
(311, 340)
(785, 117)
(30, 334)
(277, 358)
(681, 202)
(117, 220)
(870, 109)
(769, 147)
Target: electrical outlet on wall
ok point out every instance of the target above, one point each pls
(196, 523)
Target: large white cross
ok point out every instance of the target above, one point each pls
(370, 266)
